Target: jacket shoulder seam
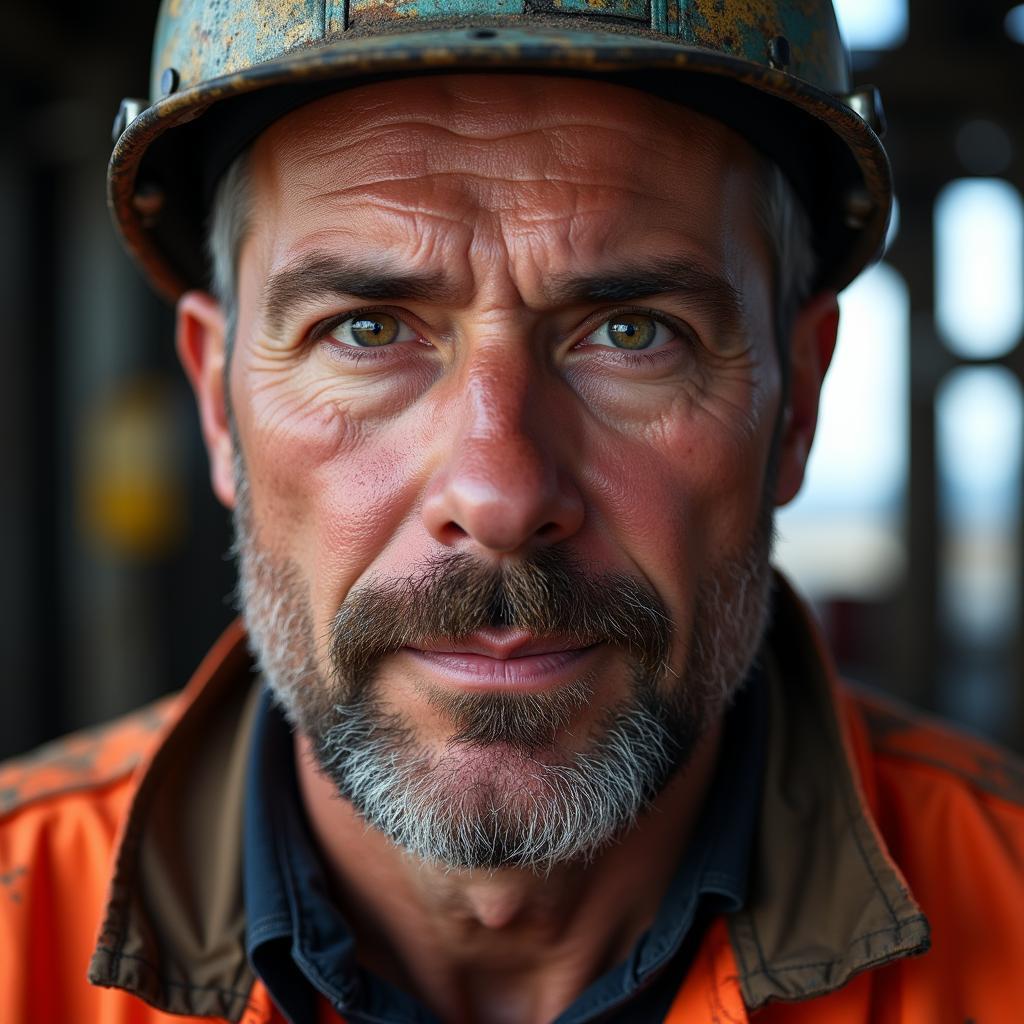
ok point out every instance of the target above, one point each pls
(986, 787)
(83, 761)
(898, 732)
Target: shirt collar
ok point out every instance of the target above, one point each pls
(716, 865)
(299, 943)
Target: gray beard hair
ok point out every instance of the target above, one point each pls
(500, 794)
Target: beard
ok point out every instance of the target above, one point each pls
(504, 792)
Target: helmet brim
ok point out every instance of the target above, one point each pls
(159, 175)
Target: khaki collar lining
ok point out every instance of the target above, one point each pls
(825, 900)
(174, 929)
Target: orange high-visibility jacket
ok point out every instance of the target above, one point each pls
(887, 880)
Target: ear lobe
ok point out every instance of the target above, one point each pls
(811, 344)
(201, 342)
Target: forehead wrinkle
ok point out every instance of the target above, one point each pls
(476, 104)
(410, 150)
(455, 220)
(404, 130)
(485, 188)
(424, 162)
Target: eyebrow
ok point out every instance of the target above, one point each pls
(681, 276)
(321, 275)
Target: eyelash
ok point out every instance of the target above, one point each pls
(347, 352)
(641, 357)
(625, 357)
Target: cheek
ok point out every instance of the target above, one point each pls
(680, 493)
(329, 486)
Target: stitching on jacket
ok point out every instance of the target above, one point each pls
(141, 804)
(143, 798)
(269, 928)
(763, 969)
(234, 993)
(128, 848)
(895, 930)
(745, 971)
(136, 815)
(853, 820)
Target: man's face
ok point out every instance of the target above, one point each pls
(505, 391)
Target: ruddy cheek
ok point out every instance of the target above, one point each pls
(291, 436)
(674, 493)
(356, 502)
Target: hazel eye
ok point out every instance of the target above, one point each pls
(631, 331)
(372, 330)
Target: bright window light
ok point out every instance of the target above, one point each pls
(873, 24)
(979, 266)
(980, 435)
(894, 225)
(1014, 23)
(980, 423)
(842, 533)
(859, 459)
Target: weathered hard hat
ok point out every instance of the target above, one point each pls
(774, 70)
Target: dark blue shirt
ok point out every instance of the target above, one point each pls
(299, 943)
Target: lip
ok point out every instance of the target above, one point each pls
(500, 644)
(504, 659)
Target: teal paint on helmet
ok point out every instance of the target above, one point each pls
(217, 62)
(203, 39)
(429, 10)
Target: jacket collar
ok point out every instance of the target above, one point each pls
(825, 900)
(173, 933)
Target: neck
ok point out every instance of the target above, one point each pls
(510, 944)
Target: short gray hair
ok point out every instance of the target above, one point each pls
(782, 215)
(787, 227)
(230, 217)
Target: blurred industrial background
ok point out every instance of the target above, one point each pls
(908, 535)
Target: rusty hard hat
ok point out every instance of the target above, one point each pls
(775, 71)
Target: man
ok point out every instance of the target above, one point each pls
(503, 376)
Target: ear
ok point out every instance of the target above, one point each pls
(811, 344)
(201, 343)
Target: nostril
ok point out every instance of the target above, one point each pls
(547, 530)
(451, 532)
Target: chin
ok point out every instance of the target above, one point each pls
(503, 804)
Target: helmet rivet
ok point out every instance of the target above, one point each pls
(169, 81)
(779, 55)
(866, 103)
(126, 113)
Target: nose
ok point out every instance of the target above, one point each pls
(505, 482)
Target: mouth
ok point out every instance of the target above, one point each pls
(504, 658)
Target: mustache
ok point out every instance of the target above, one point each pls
(452, 596)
